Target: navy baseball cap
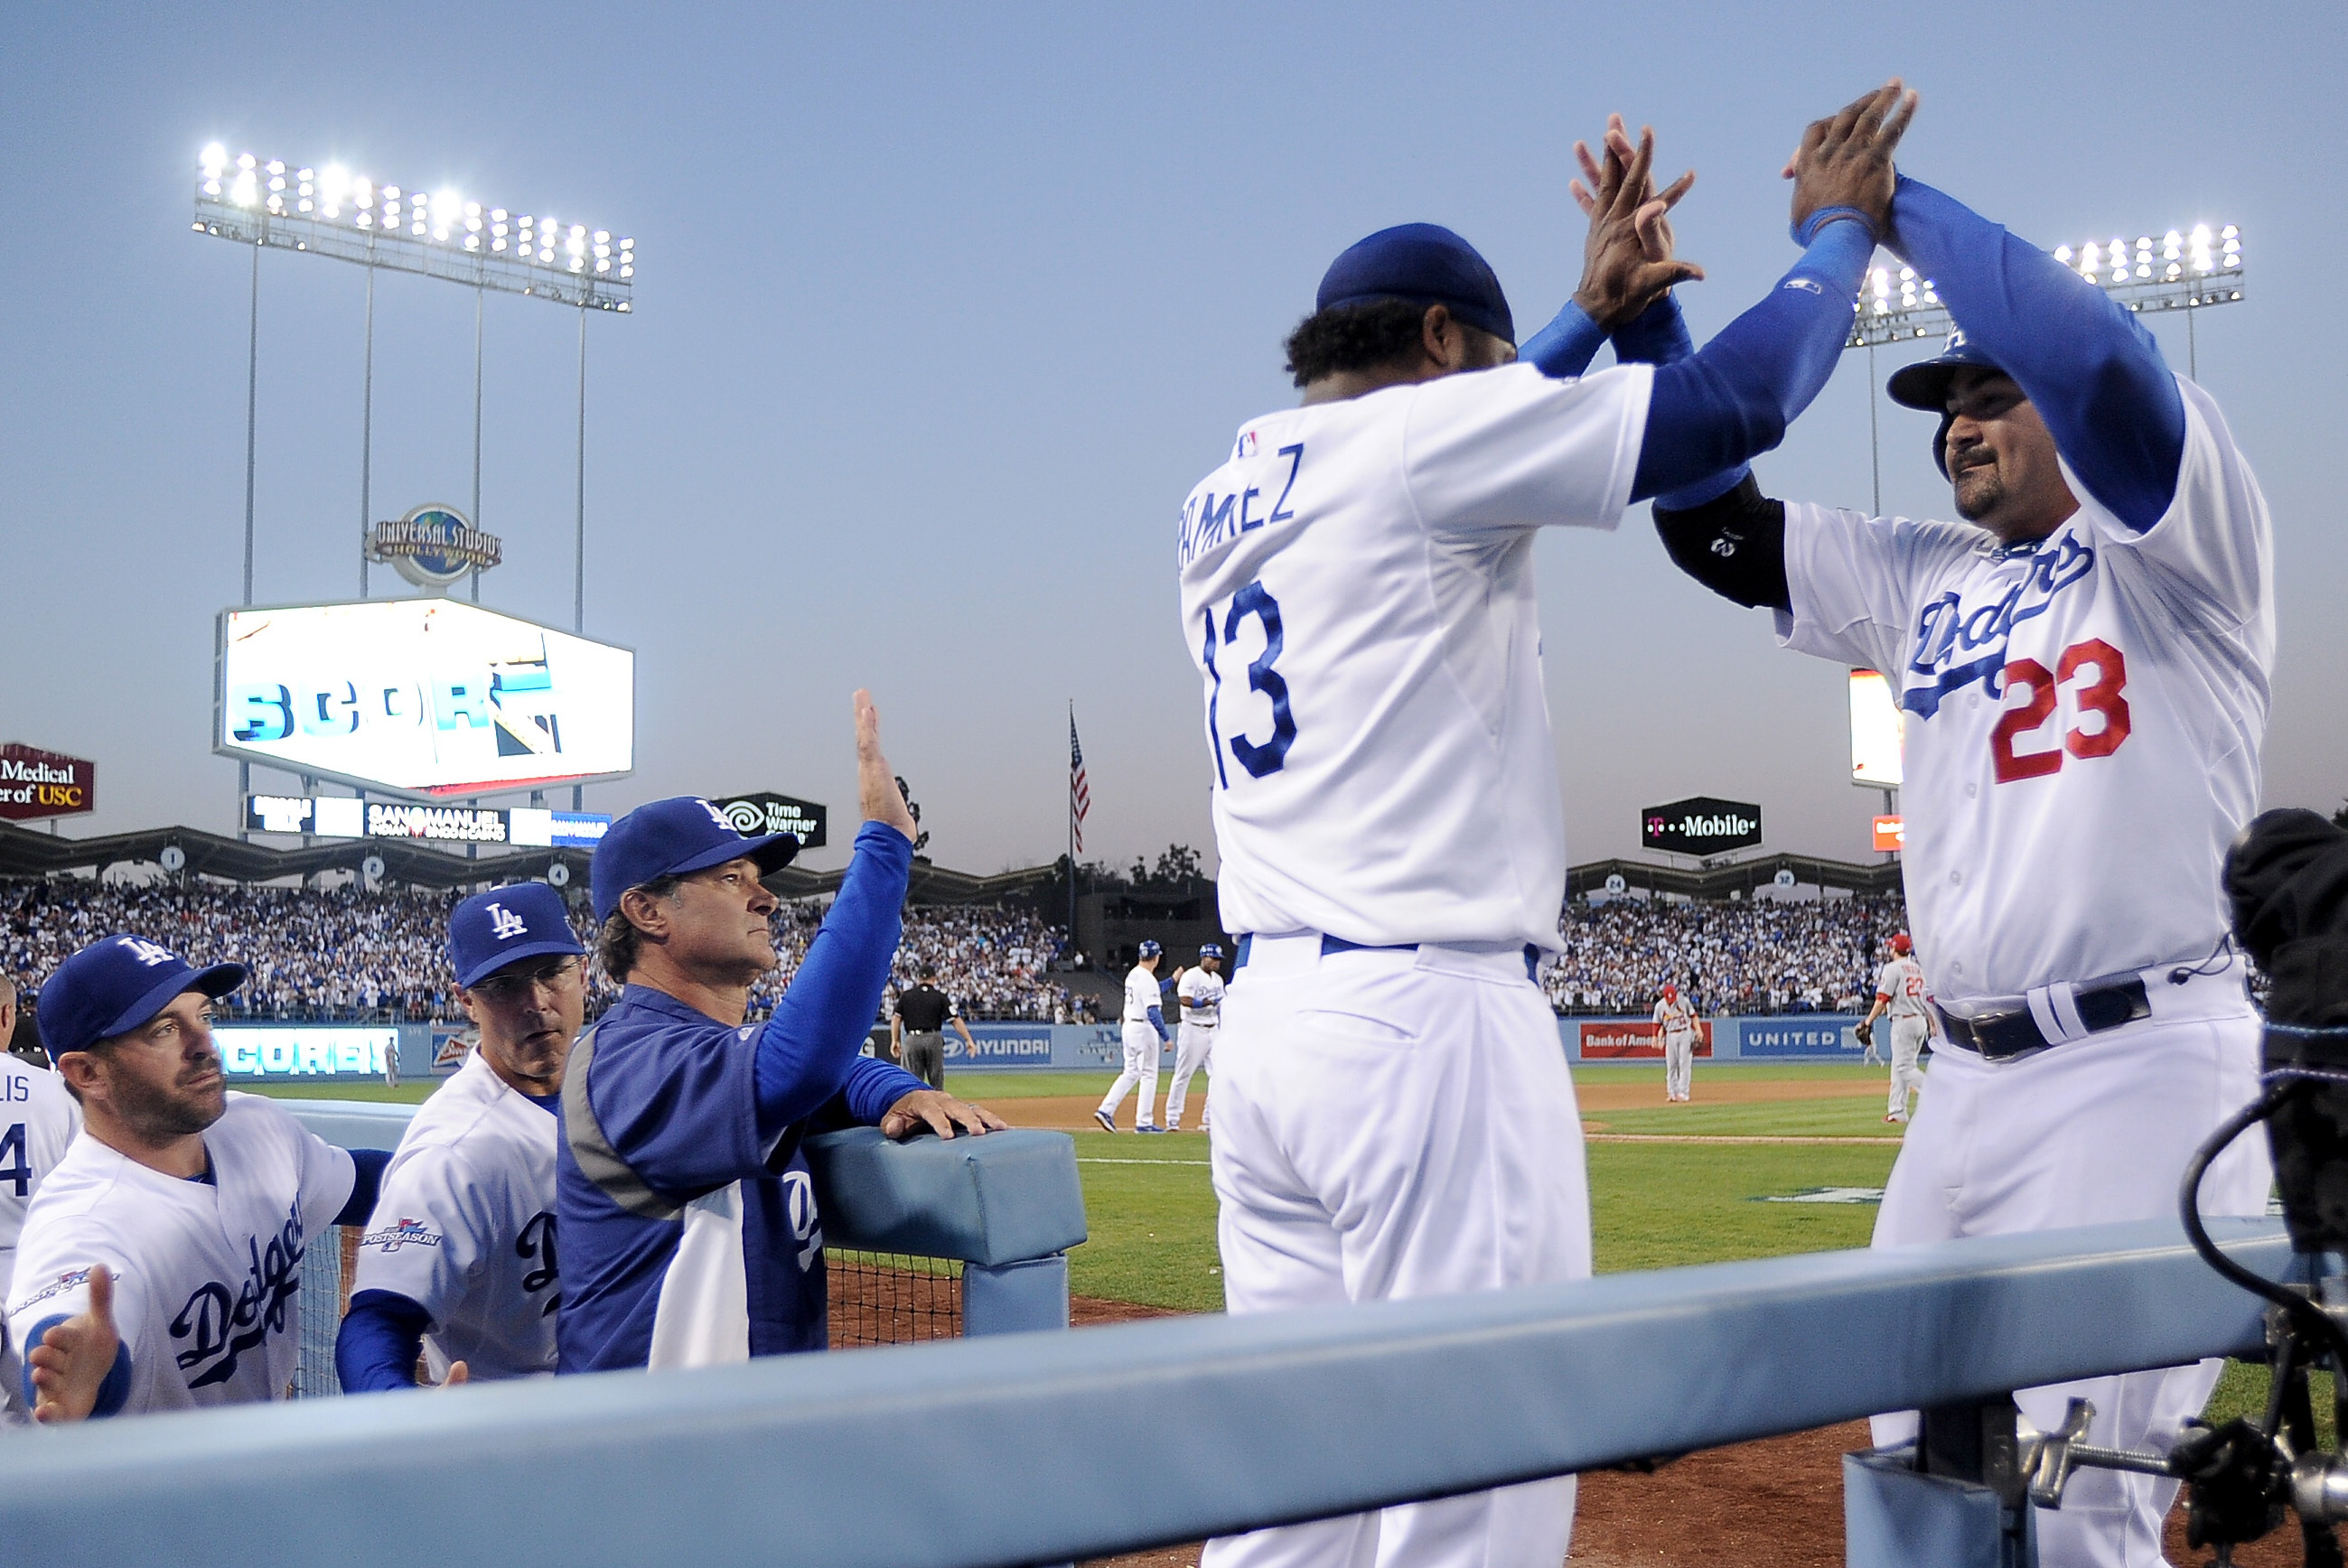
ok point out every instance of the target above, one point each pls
(1925, 385)
(1424, 264)
(673, 838)
(116, 984)
(505, 925)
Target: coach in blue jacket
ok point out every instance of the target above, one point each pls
(690, 1233)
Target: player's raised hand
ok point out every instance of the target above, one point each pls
(1845, 159)
(940, 1112)
(1626, 259)
(876, 781)
(70, 1365)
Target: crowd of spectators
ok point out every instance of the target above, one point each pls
(348, 954)
(1756, 956)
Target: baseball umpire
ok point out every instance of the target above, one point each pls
(688, 1218)
(2083, 660)
(1392, 1116)
(459, 1260)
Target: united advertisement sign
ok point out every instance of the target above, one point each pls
(34, 783)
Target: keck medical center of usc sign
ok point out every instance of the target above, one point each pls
(34, 783)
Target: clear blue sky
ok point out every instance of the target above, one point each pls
(941, 311)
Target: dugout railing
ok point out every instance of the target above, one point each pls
(1024, 1448)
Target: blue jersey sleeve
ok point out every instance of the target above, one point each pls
(872, 1087)
(818, 1031)
(1564, 349)
(113, 1393)
(1734, 398)
(1659, 335)
(376, 1346)
(2092, 370)
(368, 1168)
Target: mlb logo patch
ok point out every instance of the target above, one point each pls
(1247, 443)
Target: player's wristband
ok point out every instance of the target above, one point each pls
(1806, 231)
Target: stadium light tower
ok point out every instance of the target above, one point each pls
(2181, 271)
(331, 211)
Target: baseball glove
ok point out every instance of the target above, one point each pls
(1866, 1033)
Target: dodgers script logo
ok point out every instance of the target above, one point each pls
(537, 1242)
(221, 1327)
(1956, 646)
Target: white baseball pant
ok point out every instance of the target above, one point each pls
(1908, 1033)
(1141, 1048)
(1679, 1062)
(1193, 1044)
(1394, 1123)
(2093, 1132)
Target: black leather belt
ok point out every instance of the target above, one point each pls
(1339, 945)
(2008, 1032)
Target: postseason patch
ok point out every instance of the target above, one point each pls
(58, 1286)
(405, 1233)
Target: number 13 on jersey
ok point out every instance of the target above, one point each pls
(1263, 757)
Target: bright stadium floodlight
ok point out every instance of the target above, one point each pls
(441, 233)
(2181, 271)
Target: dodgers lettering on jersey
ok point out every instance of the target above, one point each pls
(2084, 715)
(1357, 595)
(208, 1276)
(464, 1227)
(1902, 982)
(1202, 997)
(1141, 994)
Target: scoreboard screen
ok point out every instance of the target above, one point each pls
(426, 698)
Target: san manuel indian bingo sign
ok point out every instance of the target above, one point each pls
(34, 783)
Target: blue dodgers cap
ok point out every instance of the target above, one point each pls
(1211, 950)
(1925, 383)
(505, 925)
(116, 984)
(670, 839)
(1150, 949)
(1425, 263)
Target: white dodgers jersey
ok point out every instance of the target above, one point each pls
(1902, 982)
(1203, 994)
(37, 1122)
(2084, 715)
(207, 1274)
(1357, 594)
(464, 1227)
(1141, 994)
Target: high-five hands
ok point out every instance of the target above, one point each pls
(1845, 159)
(70, 1365)
(1626, 261)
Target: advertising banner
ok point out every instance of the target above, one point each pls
(348, 816)
(35, 784)
(1622, 1040)
(426, 697)
(320, 1051)
(1001, 1045)
(1891, 834)
(1815, 1035)
(766, 812)
(1700, 825)
(1878, 733)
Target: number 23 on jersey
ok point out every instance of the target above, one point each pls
(2085, 685)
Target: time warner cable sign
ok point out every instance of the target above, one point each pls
(1700, 825)
(426, 697)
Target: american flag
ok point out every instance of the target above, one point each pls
(1080, 794)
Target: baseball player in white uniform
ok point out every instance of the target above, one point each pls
(1144, 1036)
(1676, 1026)
(37, 1122)
(2083, 664)
(460, 1258)
(1899, 992)
(1200, 993)
(160, 1265)
(1394, 1117)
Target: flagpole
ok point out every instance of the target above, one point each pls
(1072, 832)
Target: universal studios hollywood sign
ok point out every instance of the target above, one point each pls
(434, 547)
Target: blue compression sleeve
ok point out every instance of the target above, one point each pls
(807, 1047)
(2091, 369)
(872, 1087)
(111, 1394)
(1564, 349)
(376, 1346)
(1659, 335)
(370, 1164)
(1734, 396)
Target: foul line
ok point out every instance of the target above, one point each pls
(1084, 1161)
(1724, 1138)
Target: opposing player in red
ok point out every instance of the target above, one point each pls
(2083, 660)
